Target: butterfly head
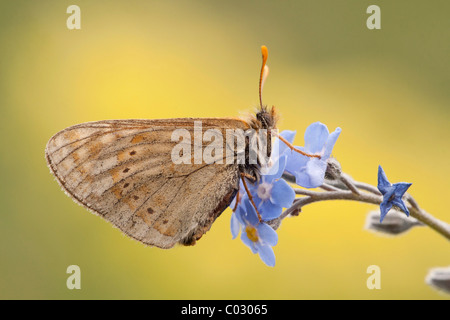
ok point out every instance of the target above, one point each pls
(266, 118)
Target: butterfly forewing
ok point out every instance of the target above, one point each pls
(122, 170)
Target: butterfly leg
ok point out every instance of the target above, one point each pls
(237, 202)
(238, 195)
(294, 148)
(243, 176)
(248, 176)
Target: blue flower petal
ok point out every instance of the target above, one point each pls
(399, 203)
(266, 254)
(295, 161)
(269, 211)
(383, 182)
(281, 147)
(282, 194)
(234, 225)
(239, 212)
(277, 169)
(252, 187)
(302, 178)
(315, 137)
(233, 202)
(331, 140)
(289, 135)
(385, 206)
(267, 235)
(249, 216)
(312, 174)
(400, 188)
(316, 170)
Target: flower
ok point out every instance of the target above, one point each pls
(392, 194)
(271, 194)
(310, 172)
(259, 236)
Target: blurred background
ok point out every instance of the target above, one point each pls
(387, 89)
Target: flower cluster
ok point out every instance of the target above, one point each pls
(272, 193)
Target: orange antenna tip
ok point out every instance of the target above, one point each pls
(264, 72)
(265, 53)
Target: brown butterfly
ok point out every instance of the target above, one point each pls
(122, 171)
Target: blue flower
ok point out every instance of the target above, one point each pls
(392, 194)
(257, 235)
(310, 172)
(271, 194)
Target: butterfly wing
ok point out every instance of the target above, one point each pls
(122, 171)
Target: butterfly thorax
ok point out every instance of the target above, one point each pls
(265, 119)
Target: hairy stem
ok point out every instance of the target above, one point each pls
(356, 191)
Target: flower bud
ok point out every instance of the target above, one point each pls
(439, 278)
(333, 174)
(393, 224)
(334, 169)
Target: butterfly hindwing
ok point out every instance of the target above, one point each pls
(122, 170)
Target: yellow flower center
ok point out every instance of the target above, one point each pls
(252, 234)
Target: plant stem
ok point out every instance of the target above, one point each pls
(362, 192)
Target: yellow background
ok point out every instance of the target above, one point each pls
(387, 89)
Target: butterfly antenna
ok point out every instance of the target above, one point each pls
(264, 73)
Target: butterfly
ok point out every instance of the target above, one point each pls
(122, 171)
